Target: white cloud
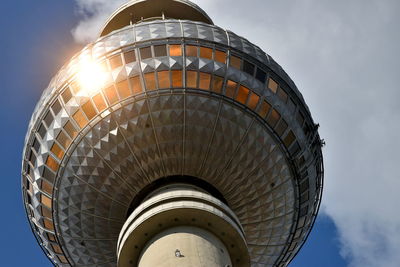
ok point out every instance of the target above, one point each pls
(343, 55)
(93, 13)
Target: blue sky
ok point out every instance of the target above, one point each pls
(342, 55)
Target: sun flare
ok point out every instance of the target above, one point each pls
(91, 76)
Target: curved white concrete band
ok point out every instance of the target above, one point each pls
(181, 206)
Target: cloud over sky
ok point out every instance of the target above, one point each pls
(343, 56)
(93, 14)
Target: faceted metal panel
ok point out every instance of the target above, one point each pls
(80, 177)
(92, 188)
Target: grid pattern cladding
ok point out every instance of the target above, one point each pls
(180, 98)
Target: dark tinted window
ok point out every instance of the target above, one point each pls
(48, 119)
(130, 56)
(160, 50)
(282, 95)
(56, 107)
(42, 130)
(248, 67)
(145, 52)
(281, 128)
(261, 75)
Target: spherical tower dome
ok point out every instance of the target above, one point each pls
(171, 141)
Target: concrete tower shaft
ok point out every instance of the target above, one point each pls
(197, 247)
(181, 218)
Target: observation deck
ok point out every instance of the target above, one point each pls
(137, 11)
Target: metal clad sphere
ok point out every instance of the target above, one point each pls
(180, 98)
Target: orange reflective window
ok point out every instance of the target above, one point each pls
(163, 79)
(289, 139)
(70, 129)
(220, 56)
(111, 94)
(63, 140)
(206, 52)
(253, 101)
(272, 85)
(47, 187)
(123, 89)
(51, 237)
(175, 50)
(57, 151)
(264, 109)
(115, 61)
(99, 102)
(89, 110)
(191, 51)
(80, 119)
(130, 56)
(150, 81)
(135, 84)
(75, 87)
(62, 259)
(66, 95)
(217, 84)
(235, 62)
(45, 201)
(191, 79)
(48, 224)
(52, 163)
(46, 212)
(204, 81)
(242, 94)
(273, 118)
(231, 88)
(56, 248)
(176, 78)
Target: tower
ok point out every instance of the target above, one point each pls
(171, 142)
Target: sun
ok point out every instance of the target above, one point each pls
(91, 76)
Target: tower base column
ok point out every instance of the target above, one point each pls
(185, 246)
(182, 225)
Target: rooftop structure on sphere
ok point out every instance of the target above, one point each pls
(171, 142)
